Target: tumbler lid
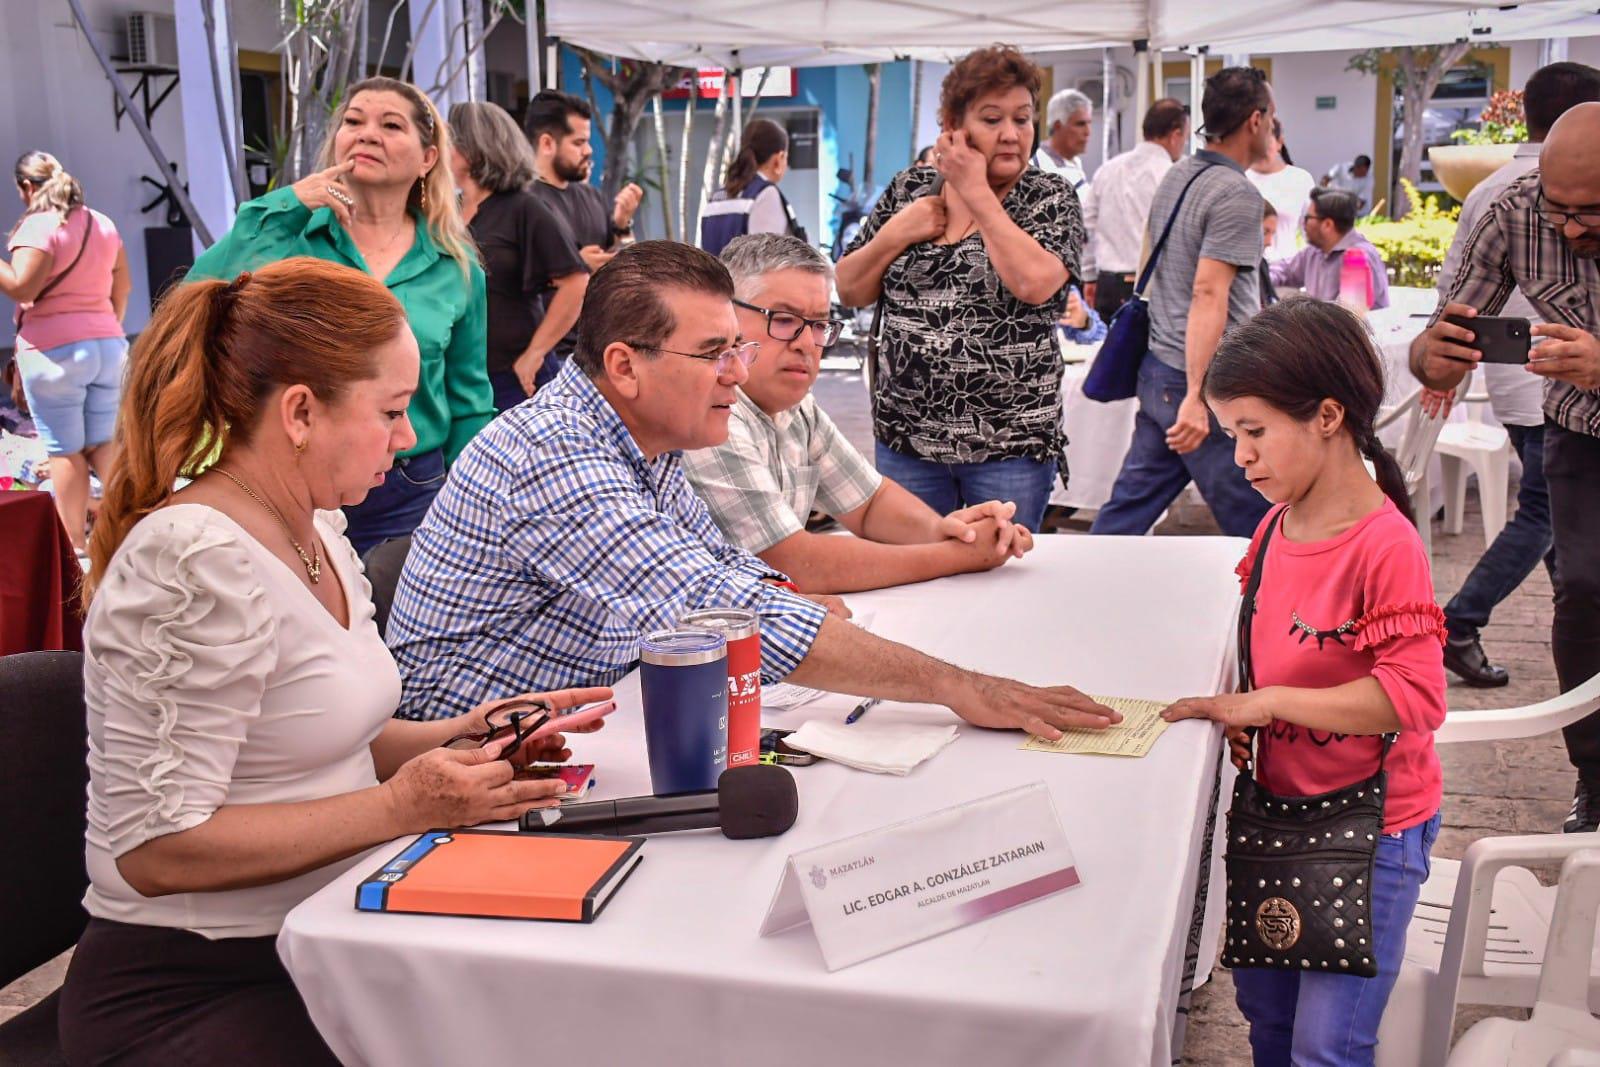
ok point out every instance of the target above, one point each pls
(682, 648)
(735, 623)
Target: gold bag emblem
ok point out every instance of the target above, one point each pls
(1278, 922)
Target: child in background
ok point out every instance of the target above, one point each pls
(1346, 646)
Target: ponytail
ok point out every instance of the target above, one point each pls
(762, 140)
(49, 186)
(203, 371)
(1391, 479)
(171, 418)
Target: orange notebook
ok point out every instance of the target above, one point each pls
(502, 875)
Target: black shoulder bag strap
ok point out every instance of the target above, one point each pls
(1155, 253)
(1247, 611)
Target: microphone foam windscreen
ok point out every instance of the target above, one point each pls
(756, 801)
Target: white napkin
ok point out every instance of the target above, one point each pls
(883, 748)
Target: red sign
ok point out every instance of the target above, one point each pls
(711, 82)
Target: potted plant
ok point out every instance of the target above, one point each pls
(1501, 128)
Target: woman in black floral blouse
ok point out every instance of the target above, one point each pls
(971, 259)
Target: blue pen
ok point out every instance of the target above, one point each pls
(861, 709)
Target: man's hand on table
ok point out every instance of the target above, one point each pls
(1004, 704)
(968, 525)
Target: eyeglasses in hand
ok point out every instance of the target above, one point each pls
(519, 717)
(786, 325)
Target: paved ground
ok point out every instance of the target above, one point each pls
(1500, 788)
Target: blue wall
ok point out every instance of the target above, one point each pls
(840, 95)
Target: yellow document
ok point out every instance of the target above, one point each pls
(1140, 726)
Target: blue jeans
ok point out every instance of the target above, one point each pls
(944, 487)
(396, 507)
(1331, 1020)
(1153, 475)
(73, 391)
(1525, 540)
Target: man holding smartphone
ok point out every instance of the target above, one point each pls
(1516, 396)
(1542, 236)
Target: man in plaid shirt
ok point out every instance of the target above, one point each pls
(1542, 236)
(783, 454)
(567, 529)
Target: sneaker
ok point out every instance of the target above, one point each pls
(1584, 818)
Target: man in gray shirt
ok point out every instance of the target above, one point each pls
(1204, 282)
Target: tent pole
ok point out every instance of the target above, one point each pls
(1197, 84)
(1142, 97)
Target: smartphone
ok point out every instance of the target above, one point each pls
(1501, 340)
(572, 719)
(773, 750)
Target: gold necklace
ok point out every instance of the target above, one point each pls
(313, 563)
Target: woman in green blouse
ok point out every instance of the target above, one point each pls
(384, 203)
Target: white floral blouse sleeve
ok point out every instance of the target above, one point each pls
(180, 643)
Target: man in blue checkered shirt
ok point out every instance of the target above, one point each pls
(567, 529)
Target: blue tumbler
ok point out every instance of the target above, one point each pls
(683, 677)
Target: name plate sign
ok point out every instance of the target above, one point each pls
(887, 888)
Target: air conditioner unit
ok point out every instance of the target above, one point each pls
(152, 39)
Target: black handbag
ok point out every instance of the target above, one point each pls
(1114, 374)
(1299, 869)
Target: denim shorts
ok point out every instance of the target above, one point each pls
(73, 391)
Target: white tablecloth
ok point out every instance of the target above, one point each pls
(674, 972)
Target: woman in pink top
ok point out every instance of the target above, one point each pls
(69, 277)
(1346, 643)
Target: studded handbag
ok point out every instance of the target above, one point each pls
(1299, 869)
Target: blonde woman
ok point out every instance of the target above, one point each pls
(69, 277)
(384, 203)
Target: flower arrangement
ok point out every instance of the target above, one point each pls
(1413, 247)
(1501, 121)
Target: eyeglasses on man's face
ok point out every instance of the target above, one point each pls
(1588, 218)
(787, 326)
(743, 353)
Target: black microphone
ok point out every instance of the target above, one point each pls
(755, 801)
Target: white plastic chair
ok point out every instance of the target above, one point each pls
(1481, 925)
(1560, 1024)
(1478, 448)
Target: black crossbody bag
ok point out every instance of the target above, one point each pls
(1300, 868)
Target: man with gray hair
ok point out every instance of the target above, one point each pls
(784, 456)
(1069, 119)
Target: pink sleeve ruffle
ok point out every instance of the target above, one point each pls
(1421, 618)
(1243, 571)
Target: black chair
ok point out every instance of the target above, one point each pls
(43, 783)
(384, 563)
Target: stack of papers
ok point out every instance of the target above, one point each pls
(883, 748)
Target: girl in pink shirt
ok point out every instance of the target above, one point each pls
(1346, 643)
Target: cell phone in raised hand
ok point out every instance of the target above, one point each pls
(1501, 340)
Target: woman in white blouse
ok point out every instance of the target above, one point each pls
(241, 745)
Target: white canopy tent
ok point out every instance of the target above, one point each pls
(752, 33)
